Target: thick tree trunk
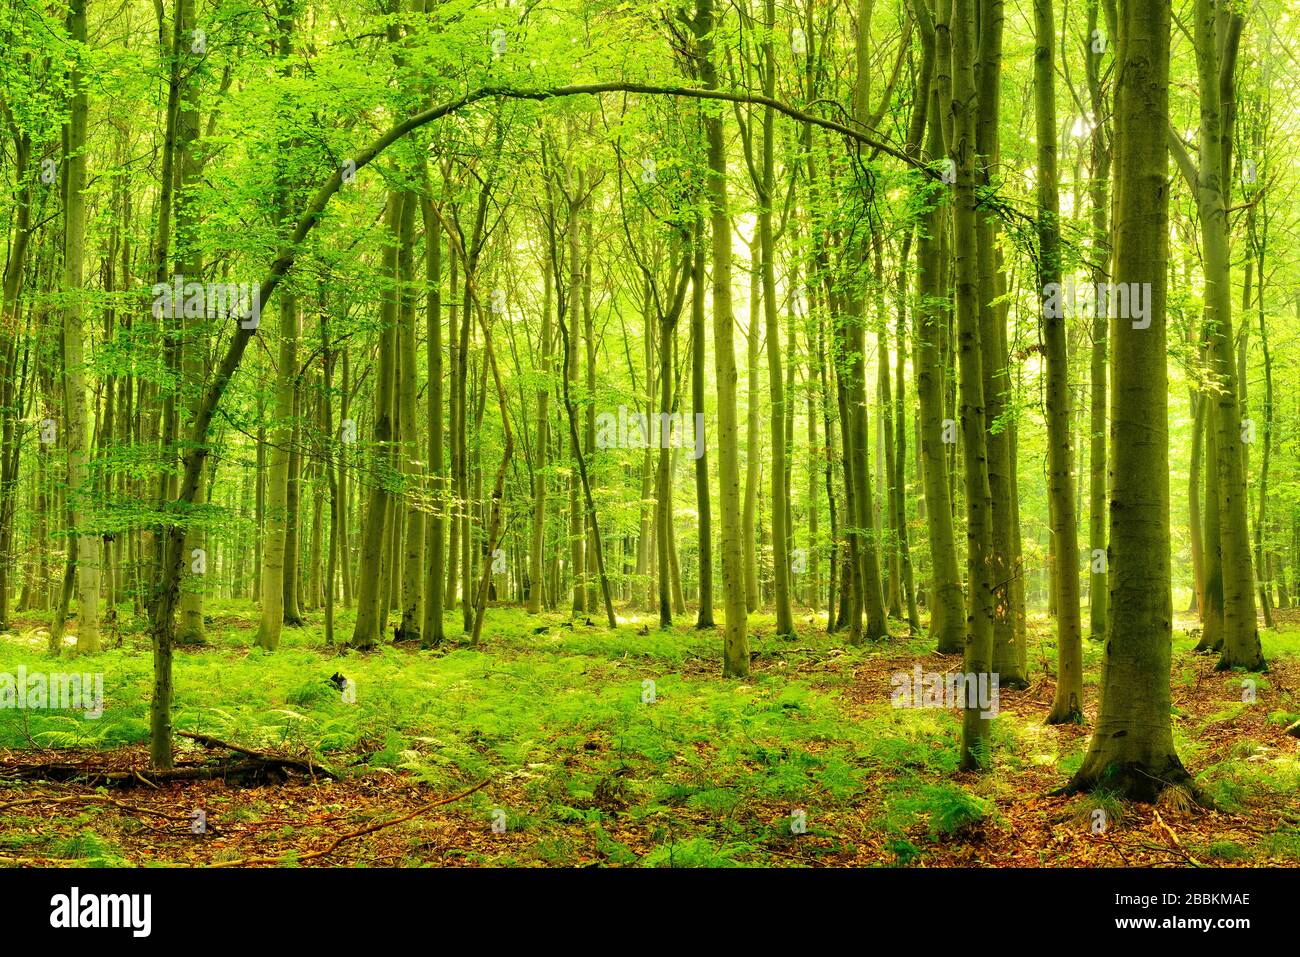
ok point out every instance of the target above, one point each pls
(1132, 748)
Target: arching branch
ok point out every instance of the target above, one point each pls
(169, 573)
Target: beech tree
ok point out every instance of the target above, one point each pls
(458, 303)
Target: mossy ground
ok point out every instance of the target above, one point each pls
(588, 770)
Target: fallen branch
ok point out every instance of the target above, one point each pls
(95, 799)
(359, 832)
(1178, 845)
(250, 766)
(307, 767)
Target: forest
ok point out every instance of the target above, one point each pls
(626, 433)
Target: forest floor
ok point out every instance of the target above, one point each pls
(627, 748)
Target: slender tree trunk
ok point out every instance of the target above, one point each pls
(368, 630)
(947, 613)
(704, 511)
(436, 556)
(80, 487)
(537, 551)
(1008, 644)
(1194, 523)
(735, 647)
(577, 531)
(453, 410)
(908, 580)
(1099, 197)
(776, 385)
(412, 466)
(980, 565)
(293, 492)
(753, 451)
(1241, 647)
(1067, 705)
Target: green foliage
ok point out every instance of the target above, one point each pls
(695, 852)
(88, 849)
(948, 810)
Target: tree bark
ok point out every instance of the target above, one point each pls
(1132, 748)
(1067, 704)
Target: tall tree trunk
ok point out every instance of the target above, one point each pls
(336, 504)
(1067, 705)
(1132, 748)
(1194, 522)
(767, 258)
(537, 554)
(861, 503)
(980, 566)
(947, 614)
(1211, 540)
(368, 630)
(432, 634)
(293, 491)
(1099, 200)
(412, 467)
(753, 450)
(275, 546)
(577, 530)
(1008, 643)
(456, 372)
(1241, 647)
(663, 472)
(908, 580)
(80, 487)
(704, 511)
(735, 646)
